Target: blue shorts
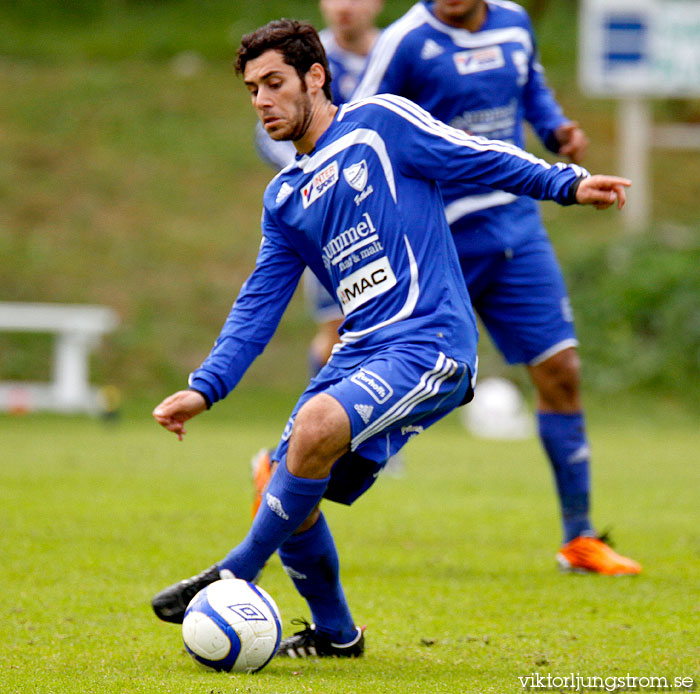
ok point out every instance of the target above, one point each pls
(521, 298)
(322, 306)
(392, 396)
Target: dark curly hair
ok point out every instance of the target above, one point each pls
(298, 42)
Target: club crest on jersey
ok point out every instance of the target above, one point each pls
(356, 175)
(319, 184)
(479, 60)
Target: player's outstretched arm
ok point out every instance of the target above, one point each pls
(176, 409)
(602, 191)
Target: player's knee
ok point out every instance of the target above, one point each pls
(321, 434)
(314, 428)
(558, 380)
(566, 368)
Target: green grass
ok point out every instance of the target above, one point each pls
(451, 566)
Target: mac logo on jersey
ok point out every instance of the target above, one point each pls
(319, 184)
(479, 59)
(364, 284)
(356, 175)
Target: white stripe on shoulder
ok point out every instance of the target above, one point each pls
(327, 39)
(479, 39)
(420, 118)
(385, 48)
(359, 136)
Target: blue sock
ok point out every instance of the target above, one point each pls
(564, 440)
(311, 561)
(286, 504)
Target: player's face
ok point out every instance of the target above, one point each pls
(457, 12)
(350, 18)
(279, 96)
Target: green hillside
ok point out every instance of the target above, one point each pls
(128, 178)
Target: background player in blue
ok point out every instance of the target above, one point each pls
(473, 64)
(359, 206)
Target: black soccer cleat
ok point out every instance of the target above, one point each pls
(170, 604)
(307, 643)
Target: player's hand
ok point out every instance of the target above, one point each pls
(602, 191)
(175, 410)
(572, 140)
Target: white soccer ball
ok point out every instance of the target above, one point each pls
(232, 625)
(498, 411)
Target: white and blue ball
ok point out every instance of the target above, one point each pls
(232, 625)
(498, 411)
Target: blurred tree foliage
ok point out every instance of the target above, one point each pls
(637, 301)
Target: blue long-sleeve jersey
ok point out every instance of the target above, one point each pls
(486, 82)
(365, 213)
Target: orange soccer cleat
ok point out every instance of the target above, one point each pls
(262, 471)
(592, 555)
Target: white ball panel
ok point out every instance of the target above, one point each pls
(204, 637)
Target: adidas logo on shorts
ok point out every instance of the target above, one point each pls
(365, 411)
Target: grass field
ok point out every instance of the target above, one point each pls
(451, 567)
(128, 182)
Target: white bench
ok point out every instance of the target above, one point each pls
(78, 329)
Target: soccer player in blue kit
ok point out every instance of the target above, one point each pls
(347, 38)
(360, 206)
(473, 64)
